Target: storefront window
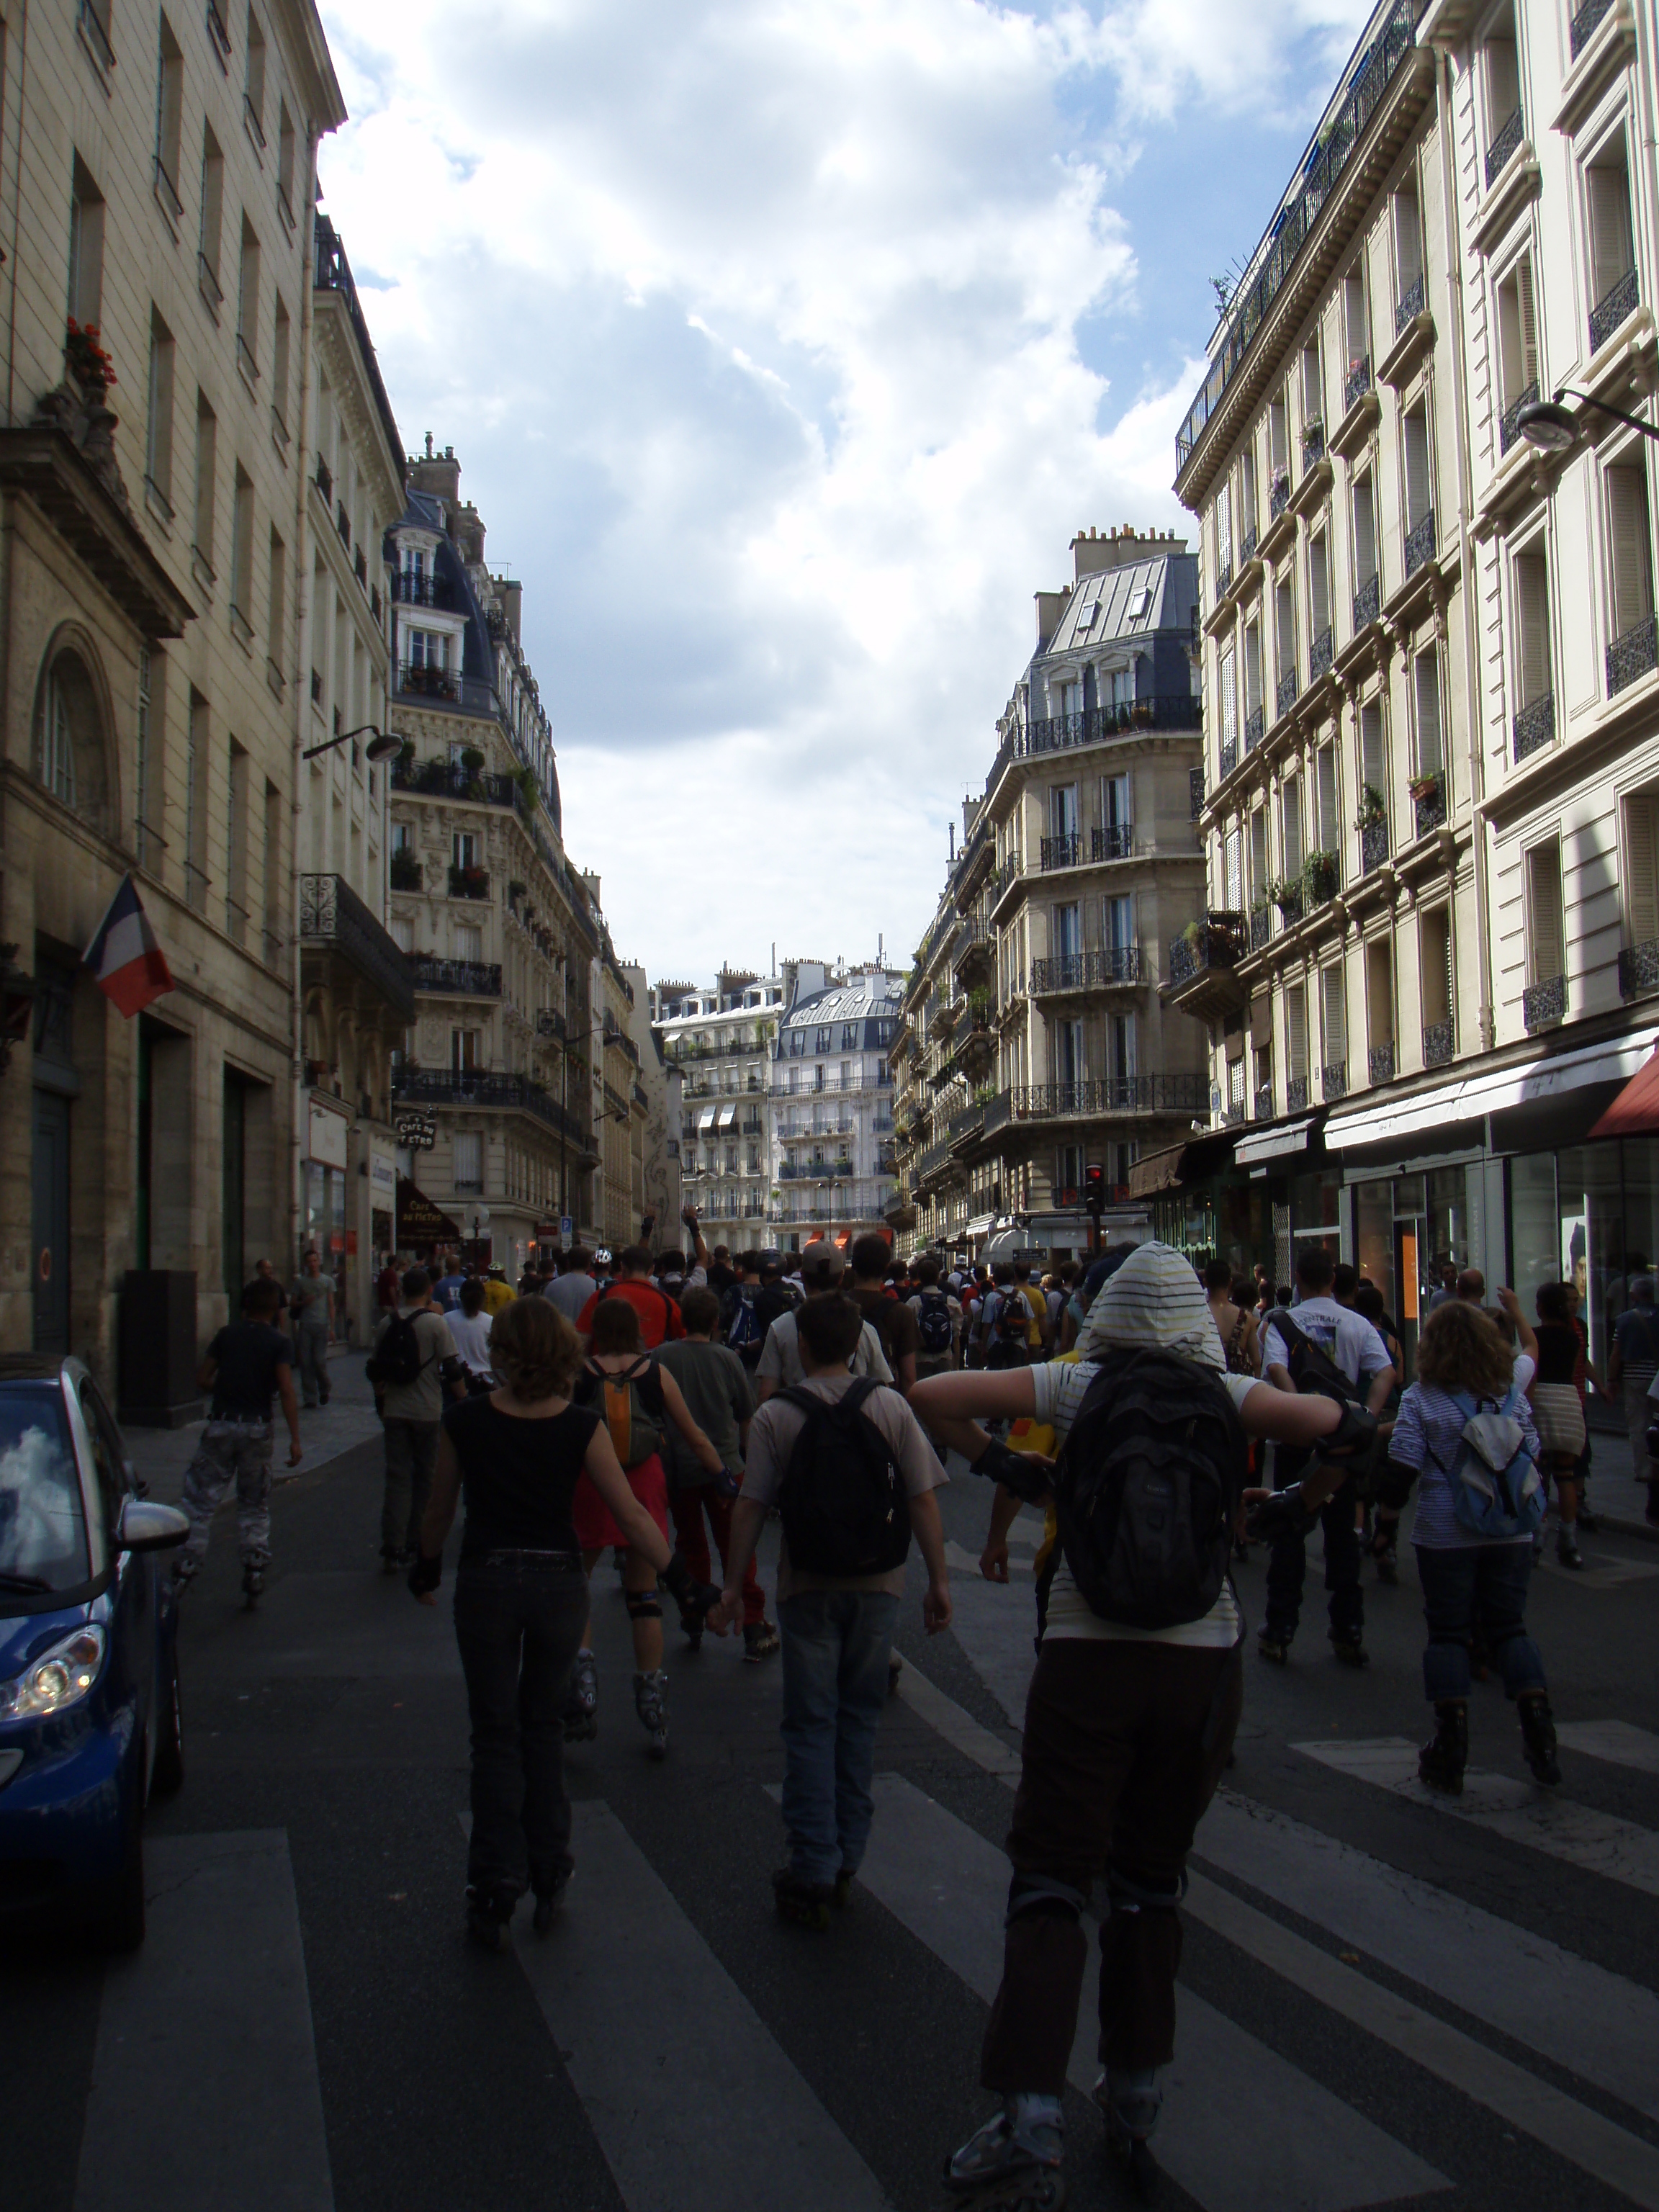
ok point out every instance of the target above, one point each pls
(1314, 1207)
(1592, 1235)
(1373, 1234)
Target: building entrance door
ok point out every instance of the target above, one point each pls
(49, 1269)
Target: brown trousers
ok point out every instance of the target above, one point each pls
(1116, 1775)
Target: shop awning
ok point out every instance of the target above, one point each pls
(706, 1116)
(728, 1118)
(1635, 1111)
(1275, 1143)
(1158, 1172)
(1526, 1083)
(419, 1221)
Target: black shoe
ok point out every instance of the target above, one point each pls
(1538, 1733)
(547, 1902)
(1441, 1762)
(1274, 1643)
(487, 1918)
(843, 1889)
(760, 1640)
(806, 1904)
(1566, 1549)
(253, 1583)
(1588, 1521)
(1350, 1650)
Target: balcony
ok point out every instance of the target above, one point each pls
(1296, 1095)
(469, 883)
(1379, 1063)
(1256, 724)
(1288, 688)
(1227, 759)
(1408, 306)
(1359, 382)
(933, 1160)
(1224, 581)
(410, 590)
(1195, 791)
(1087, 971)
(1280, 497)
(1429, 803)
(472, 1087)
(437, 779)
(1333, 1081)
(1054, 734)
(1202, 962)
(1504, 145)
(1321, 653)
(457, 979)
(1262, 926)
(332, 918)
(1313, 445)
(973, 955)
(1633, 654)
(1507, 423)
(1543, 1004)
(1247, 545)
(1420, 544)
(1062, 853)
(1584, 23)
(1621, 300)
(404, 870)
(1116, 842)
(1373, 846)
(1263, 1106)
(1117, 1094)
(1638, 970)
(1534, 726)
(1439, 1043)
(1367, 602)
(325, 481)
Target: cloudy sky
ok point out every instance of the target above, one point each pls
(786, 344)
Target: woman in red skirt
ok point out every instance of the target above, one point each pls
(635, 1399)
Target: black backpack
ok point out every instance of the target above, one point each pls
(745, 1331)
(396, 1358)
(843, 1500)
(1146, 1489)
(934, 1322)
(1315, 1374)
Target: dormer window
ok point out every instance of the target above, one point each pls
(1140, 603)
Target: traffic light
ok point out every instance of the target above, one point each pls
(1094, 1188)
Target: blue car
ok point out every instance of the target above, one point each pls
(89, 1720)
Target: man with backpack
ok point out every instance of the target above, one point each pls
(743, 1328)
(414, 1361)
(939, 1321)
(720, 1399)
(780, 1366)
(1023, 1293)
(1136, 1694)
(852, 1475)
(659, 1317)
(1631, 1365)
(894, 1323)
(1322, 1346)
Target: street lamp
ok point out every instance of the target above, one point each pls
(1553, 429)
(380, 747)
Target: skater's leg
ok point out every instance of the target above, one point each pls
(686, 1507)
(399, 1484)
(811, 1667)
(554, 1609)
(253, 1494)
(489, 1630)
(1346, 1594)
(719, 1510)
(644, 1612)
(211, 1469)
(424, 1464)
(862, 1692)
(1080, 1721)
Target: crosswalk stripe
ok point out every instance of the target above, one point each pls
(1592, 1841)
(1516, 1981)
(1598, 2146)
(204, 2089)
(1617, 1741)
(947, 1718)
(653, 2054)
(1232, 2154)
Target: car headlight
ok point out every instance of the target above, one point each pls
(58, 1678)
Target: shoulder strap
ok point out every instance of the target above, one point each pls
(864, 1386)
(1291, 1333)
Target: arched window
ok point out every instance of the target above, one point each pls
(70, 720)
(55, 751)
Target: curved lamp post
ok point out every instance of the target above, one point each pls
(380, 747)
(1553, 429)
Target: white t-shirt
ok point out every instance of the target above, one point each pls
(780, 1359)
(471, 1335)
(1342, 1335)
(1060, 1390)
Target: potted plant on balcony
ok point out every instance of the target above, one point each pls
(405, 870)
(1425, 787)
(1287, 896)
(515, 891)
(472, 760)
(1319, 878)
(86, 360)
(406, 753)
(529, 787)
(1372, 808)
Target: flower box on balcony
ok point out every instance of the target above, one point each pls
(469, 883)
(405, 871)
(1320, 878)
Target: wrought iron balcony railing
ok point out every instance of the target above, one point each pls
(1419, 543)
(472, 979)
(1219, 942)
(1619, 300)
(1247, 544)
(1584, 24)
(1085, 971)
(1379, 1062)
(1295, 1094)
(1509, 422)
(1367, 602)
(1062, 852)
(1118, 1094)
(421, 591)
(331, 913)
(1373, 846)
(1358, 380)
(1408, 306)
(469, 883)
(1280, 497)
(1288, 688)
(1261, 927)
(1430, 809)
(1255, 723)
(1115, 842)
(1262, 1105)
(1639, 968)
(1544, 1003)
(1534, 726)
(437, 779)
(1633, 654)
(474, 1087)
(1504, 145)
(1439, 1043)
(1227, 759)
(1195, 791)
(1321, 653)
(1333, 1081)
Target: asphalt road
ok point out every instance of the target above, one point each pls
(1381, 1999)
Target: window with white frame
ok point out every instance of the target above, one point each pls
(1613, 292)
(1545, 952)
(1295, 1032)
(1518, 367)
(1641, 870)
(1418, 465)
(1535, 684)
(1229, 700)
(1333, 1019)
(1425, 698)
(1630, 571)
(1365, 535)
(469, 1159)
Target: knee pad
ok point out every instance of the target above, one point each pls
(1036, 1893)
(1131, 1891)
(643, 1605)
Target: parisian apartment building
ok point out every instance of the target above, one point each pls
(1035, 1038)
(1429, 955)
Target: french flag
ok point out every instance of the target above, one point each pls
(125, 957)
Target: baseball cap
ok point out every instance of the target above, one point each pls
(823, 1258)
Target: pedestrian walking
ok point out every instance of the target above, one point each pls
(413, 1363)
(781, 1367)
(853, 1475)
(893, 1322)
(247, 1362)
(1465, 1429)
(1135, 1697)
(659, 1316)
(517, 1456)
(469, 1330)
(939, 1320)
(720, 1399)
(1631, 1365)
(1557, 1411)
(573, 1285)
(311, 1303)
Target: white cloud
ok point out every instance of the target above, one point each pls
(755, 324)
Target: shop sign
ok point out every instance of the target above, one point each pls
(382, 1179)
(326, 1133)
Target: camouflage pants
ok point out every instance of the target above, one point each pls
(229, 1451)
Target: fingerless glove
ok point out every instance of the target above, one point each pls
(692, 1598)
(425, 1575)
(1281, 1515)
(1023, 1476)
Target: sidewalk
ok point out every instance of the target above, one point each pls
(1614, 1495)
(161, 1455)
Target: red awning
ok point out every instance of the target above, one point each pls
(1635, 1111)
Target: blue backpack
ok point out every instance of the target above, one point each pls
(1496, 1487)
(745, 1331)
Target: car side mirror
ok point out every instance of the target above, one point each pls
(146, 1527)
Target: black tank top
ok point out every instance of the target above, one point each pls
(518, 1477)
(1557, 1352)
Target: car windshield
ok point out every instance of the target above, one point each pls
(43, 1535)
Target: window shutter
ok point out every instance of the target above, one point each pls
(1336, 1015)
(1235, 871)
(1318, 593)
(1224, 525)
(1545, 872)
(1609, 221)
(1296, 1029)
(1364, 534)
(1427, 669)
(1291, 806)
(1370, 748)
(1627, 531)
(1229, 700)
(1261, 1019)
(1529, 324)
(1407, 241)
(1642, 868)
(1418, 500)
(1330, 837)
(1533, 616)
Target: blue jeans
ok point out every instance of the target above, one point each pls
(1484, 1582)
(835, 1644)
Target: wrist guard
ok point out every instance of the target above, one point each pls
(1281, 1515)
(1353, 1437)
(693, 1598)
(1393, 1485)
(425, 1575)
(1022, 1476)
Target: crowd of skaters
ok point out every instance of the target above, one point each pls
(650, 1406)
